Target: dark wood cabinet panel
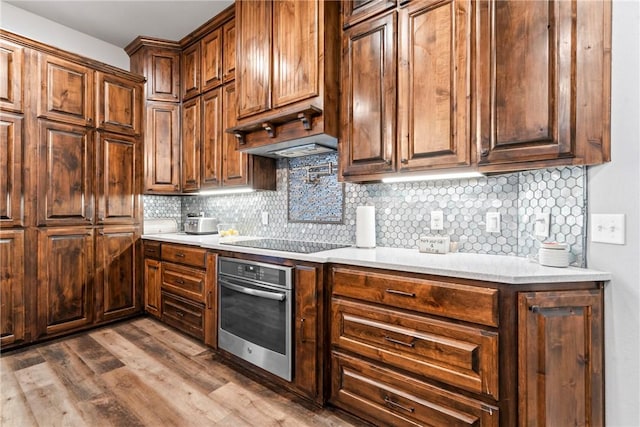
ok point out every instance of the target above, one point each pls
(118, 180)
(11, 76)
(65, 173)
(254, 26)
(119, 104)
(185, 281)
(11, 170)
(182, 254)
(190, 76)
(118, 263)
(229, 51)
(306, 331)
(152, 284)
(66, 91)
(212, 138)
(12, 288)
(211, 68)
(162, 148)
(560, 345)
(66, 276)
(434, 85)
(235, 164)
(369, 97)
(354, 11)
(163, 75)
(191, 121)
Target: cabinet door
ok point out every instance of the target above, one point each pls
(253, 20)
(66, 273)
(119, 104)
(434, 84)
(11, 76)
(229, 51)
(560, 341)
(295, 41)
(12, 292)
(163, 75)
(212, 135)
(354, 11)
(191, 71)
(11, 213)
(65, 174)
(118, 183)
(211, 302)
(368, 97)
(152, 282)
(162, 148)
(118, 263)
(306, 330)
(66, 91)
(191, 145)
(211, 68)
(235, 168)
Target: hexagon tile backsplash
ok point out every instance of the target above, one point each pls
(403, 210)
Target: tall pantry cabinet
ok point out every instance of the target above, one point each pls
(71, 171)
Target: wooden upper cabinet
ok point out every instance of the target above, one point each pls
(235, 164)
(354, 11)
(118, 263)
(11, 76)
(163, 75)
(191, 121)
(544, 83)
(560, 342)
(119, 104)
(434, 84)
(295, 51)
(211, 69)
(11, 167)
(190, 76)
(118, 179)
(162, 148)
(65, 170)
(66, 91)
(212, 135)
(66, 274)
(229, 51)
(369, 97)
(254, 24)
(12, 287)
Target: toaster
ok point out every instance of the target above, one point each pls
(200, 225)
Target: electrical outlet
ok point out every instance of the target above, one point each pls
(493, 222)
(608, 228)
(541, 225)
(265, 218)
(437, 220)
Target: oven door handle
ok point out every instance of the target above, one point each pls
(252, 292)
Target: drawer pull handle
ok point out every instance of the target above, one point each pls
(180, 282)
(391, 403)
(411, 344)
(179, 314)
(401, 293)
(302, 338)
(180, 255)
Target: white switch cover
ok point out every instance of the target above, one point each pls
(437, 220)
(493, 222)
(265, 218)
(541, 225)
(608, 228)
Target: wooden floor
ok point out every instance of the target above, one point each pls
(140, 373)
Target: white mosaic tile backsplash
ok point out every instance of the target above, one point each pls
(403, 210)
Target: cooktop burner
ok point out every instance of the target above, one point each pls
(288, 245)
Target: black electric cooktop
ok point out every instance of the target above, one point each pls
(287, 245)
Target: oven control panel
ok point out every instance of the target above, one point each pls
(271, 274)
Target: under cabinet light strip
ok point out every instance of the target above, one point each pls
(228, 191)
(434, 177)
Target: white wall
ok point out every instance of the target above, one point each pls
(27, 24)
(615, 188)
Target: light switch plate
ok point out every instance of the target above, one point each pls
(608, 228)
(541, 224)
(493, 222)
(437, 220)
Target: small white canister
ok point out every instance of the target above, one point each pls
(554, 254)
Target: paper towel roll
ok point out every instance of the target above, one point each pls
(366, 227)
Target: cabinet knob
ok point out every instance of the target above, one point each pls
(404, 161)
(484, 152)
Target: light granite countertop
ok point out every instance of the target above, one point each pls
(492, 268)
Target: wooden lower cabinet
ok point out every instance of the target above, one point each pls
(152, 278)
(12, 288)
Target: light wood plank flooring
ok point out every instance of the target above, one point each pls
(141, 373)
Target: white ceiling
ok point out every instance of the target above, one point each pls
(119, 22)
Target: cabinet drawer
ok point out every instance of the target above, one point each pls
(463, 302)
(152, 249)
(183, 314)
(389, 398)
(462, 356)
(184, 255)
(185, 281)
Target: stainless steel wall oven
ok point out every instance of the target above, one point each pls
(255, 312)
